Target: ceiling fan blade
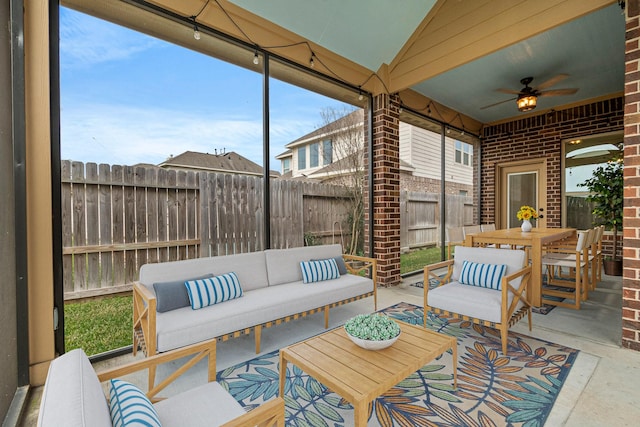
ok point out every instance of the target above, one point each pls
(552, 81)
(557, 92)
(497, 103)
(509, 91)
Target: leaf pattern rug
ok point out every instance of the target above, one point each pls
(493, 390)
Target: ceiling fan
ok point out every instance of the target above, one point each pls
(527, 98)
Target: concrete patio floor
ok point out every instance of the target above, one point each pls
(602, 388)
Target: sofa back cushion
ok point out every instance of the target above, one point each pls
(513, 259)
(283, 265)
(72, 394)
(250, 268)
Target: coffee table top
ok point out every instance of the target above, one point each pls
(357, 374)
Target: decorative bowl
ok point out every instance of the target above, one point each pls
(372, 331)
(371, 344)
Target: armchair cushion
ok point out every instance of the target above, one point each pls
(129, 406)
(317, 271)
(483, 275)
(207, 405)
(72, 395)
(213, 290)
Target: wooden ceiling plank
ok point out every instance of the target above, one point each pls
(472, 43)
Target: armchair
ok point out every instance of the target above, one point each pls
(73, 395)
(476, 289)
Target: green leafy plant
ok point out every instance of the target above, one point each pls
(606, 187)
(374, 327)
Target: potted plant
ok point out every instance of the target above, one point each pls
(606, 188)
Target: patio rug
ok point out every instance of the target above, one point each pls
(493, 390)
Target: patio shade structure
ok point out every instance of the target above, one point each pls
(440, 60)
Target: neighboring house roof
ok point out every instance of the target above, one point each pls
(327, 129)
(230, 162)
(288, 153)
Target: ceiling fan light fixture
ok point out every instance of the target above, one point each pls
(527, 102)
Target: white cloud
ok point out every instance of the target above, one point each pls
(120, 134)
(85, 40)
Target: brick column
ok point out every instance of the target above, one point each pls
(631, 223)
(386, 188)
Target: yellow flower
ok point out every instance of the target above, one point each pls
(526, 213)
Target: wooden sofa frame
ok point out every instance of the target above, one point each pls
(510, 314)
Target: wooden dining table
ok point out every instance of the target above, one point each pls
(534, 240)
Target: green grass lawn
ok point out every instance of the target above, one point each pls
(105, 323)
(100, 325)
(416, 260)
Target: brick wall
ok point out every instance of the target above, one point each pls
(631, 233)
(386, 188)
(541, 137)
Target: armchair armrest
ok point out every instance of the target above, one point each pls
(520, 293)
(268, 414)
(368, 264)
(144, 319)
(198, 351)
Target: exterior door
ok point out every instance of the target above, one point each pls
(517, 184)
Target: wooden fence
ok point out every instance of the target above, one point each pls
(420, 217)
(117, 218)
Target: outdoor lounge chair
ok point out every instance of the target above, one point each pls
(472, 289)
(73, 396)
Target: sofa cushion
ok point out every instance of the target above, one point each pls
(249, 267)
(208, 405)
(283, 265)
(342, 266)
(178, 328)
(72, 395)
(129, 406)
(213, 290)
(172, 295)
(483, 275)
(318, 271)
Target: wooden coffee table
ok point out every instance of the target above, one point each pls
(360, 375)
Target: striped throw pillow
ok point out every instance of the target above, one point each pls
(213, 290)
(316, 271)
(483, 275)
(129, 406)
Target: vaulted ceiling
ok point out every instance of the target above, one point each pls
(442, 57)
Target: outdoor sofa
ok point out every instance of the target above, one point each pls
(272, 291)
(73, 396)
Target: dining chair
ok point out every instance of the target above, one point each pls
(574, 256)
(455, 237)
(488, 227)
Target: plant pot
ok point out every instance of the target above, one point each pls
(612, 267)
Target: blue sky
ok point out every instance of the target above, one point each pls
(129, 98)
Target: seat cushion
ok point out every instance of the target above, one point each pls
(208, 405)
(474, 301)
(185, 326)
(72, 395)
